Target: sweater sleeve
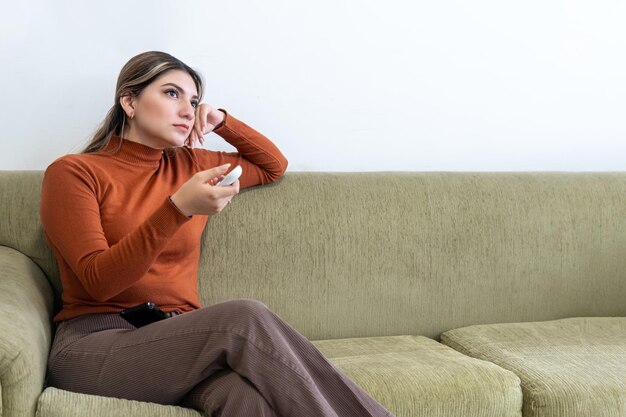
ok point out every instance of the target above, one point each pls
(259, 158)
(70, 215)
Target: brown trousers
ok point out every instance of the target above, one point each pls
(232, 359)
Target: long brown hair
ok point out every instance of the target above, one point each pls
(137, 74)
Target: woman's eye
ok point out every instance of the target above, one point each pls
(174, 93)
(194, 104)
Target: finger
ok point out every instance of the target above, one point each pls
(232, 188)
(197, 130)
(219, 195)
(204, 113)
(198, 122)
(209, 174)
(227, 190)
(216, 180)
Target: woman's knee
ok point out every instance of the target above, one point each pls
(237, 316)
(247, 308)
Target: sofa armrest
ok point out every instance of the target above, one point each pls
(26, 302)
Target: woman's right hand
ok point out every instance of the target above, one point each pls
(200, 195)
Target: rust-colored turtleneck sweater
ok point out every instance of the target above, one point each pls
(117, 238)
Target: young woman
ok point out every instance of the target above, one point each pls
(124, 220)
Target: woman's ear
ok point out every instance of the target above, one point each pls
(128, 103)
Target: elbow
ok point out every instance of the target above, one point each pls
(97, 293)
(275, 175)
(99, 298)
(284, 166)
(100, 295)
(96, 285)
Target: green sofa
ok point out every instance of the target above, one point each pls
(441, 294)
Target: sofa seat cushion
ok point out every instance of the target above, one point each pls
(417, 376)
(572, 367)
(55, 402)
(410, 375)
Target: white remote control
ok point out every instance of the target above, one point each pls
(231, 177)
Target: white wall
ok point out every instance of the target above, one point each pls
(339, 85)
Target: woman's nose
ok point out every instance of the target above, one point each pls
(187, 111)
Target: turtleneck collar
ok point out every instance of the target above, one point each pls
(133, 152)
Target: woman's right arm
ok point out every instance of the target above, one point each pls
(70, 214)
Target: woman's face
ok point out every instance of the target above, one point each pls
(164, 111)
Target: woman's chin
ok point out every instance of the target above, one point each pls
(175, 142)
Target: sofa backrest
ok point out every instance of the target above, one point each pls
(364, 254)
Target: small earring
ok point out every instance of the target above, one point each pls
(132, 116)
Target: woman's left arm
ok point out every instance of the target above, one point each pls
(260, 159)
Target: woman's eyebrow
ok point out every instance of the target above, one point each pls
(178, 87)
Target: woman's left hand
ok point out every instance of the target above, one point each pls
(206, 119)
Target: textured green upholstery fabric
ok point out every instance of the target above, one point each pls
(411, 376)
(375, 254)
(569, 368)
(415, 376)
(343, 255)
(20, 225)
(74, 405)
(25, 336)
(398, 253)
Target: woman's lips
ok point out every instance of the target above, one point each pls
(183, 128)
